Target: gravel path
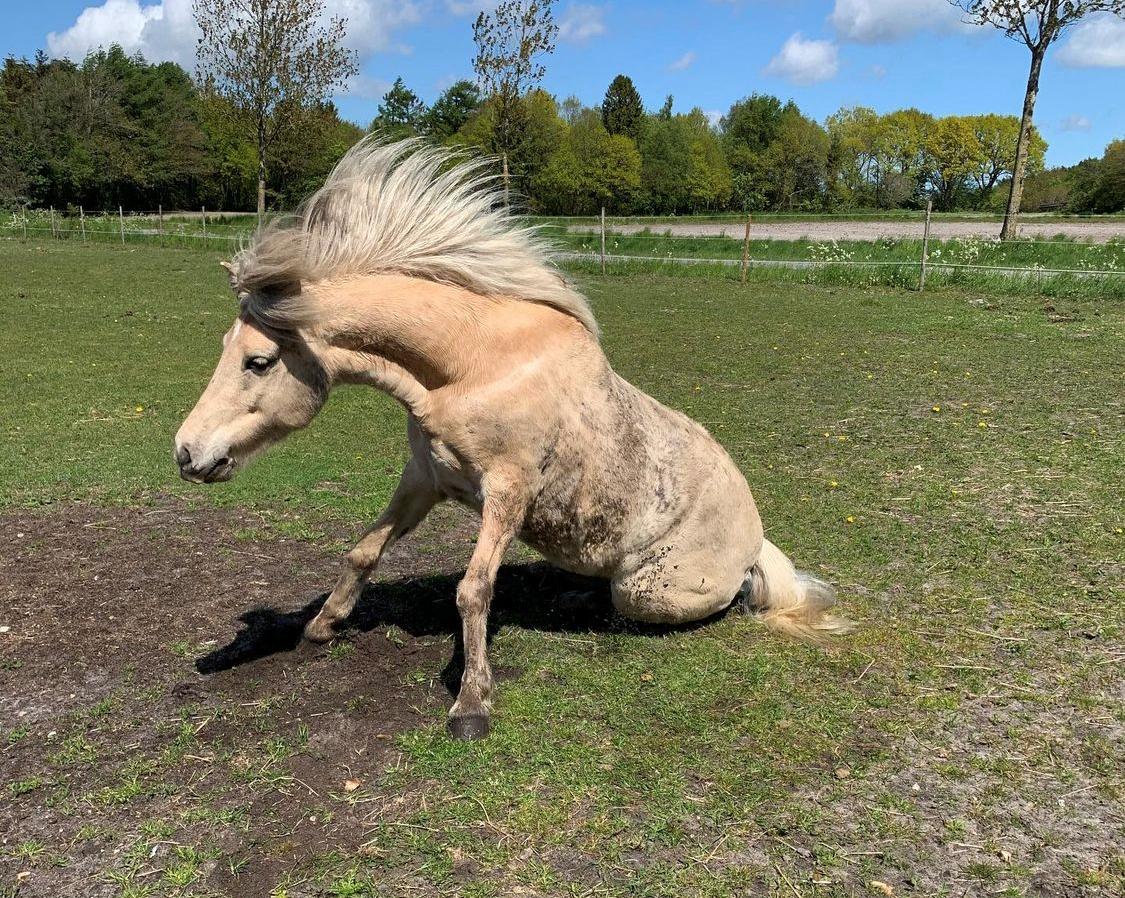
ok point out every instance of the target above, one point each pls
(1094, 231)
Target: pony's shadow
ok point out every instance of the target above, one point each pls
(533, 596)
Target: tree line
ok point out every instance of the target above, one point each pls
(115, 129)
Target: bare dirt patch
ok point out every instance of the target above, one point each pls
(165, 726)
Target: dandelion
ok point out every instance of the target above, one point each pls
(841, 439)
(982, 424)
(832, 484)
(936, 408)
(140, 408)
(850, 519)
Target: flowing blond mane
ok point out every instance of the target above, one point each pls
(403, 208)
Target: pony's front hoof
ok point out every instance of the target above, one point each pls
(318, 630)
(465, 727)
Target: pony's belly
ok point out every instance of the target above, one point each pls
(582, 535)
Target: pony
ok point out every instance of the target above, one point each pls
(404, 272)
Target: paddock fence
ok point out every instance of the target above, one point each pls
(845, 248)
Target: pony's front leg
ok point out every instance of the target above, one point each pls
(412, 501)
(501, 518)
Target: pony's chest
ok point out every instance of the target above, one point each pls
(452, 477)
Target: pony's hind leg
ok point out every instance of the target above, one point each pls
(412, 501)
(501, 517)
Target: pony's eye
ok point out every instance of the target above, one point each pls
(259, 364)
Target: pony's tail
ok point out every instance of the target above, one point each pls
(789, 601)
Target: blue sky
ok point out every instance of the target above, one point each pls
(823, 53)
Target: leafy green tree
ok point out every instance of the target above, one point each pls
(271, 58)
(998, 137)
(1108, 184)
(683, 167)
(451, 111)
(622, 110)
(795, 163)
(511, 41)
(400, 114)
(665, 113)
(953, 153)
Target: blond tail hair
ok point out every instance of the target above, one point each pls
(789, 601)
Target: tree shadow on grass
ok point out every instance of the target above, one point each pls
(533, 596)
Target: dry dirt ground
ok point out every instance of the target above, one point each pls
(137, 639)
(827, 229)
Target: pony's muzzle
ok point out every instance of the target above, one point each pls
(209, 471)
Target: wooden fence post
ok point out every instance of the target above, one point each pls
(746, 249)
(925, 246)
(54, 233)
(121, 219)
(160, 215)
(82, 222)
(603, 239)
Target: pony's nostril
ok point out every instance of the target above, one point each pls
(183, 456)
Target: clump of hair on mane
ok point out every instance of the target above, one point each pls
(410, 209)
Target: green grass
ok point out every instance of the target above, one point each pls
(954, 463)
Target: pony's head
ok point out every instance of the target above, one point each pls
(268, 382)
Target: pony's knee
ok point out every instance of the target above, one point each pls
(473, 593)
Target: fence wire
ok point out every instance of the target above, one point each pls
(215, 230)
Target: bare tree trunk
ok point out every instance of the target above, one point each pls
(507, 183)
(261, 173)
(1019, 170)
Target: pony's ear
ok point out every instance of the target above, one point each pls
(231, 273)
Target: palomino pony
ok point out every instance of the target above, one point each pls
(402, 272)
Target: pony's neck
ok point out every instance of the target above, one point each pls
(403, 335)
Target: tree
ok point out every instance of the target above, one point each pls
(511, 40)
(998, 136)
(570, 109)
(1037, 24)
(271, 58)
(400, 113)
(665, 112)
(622, 110)
(451, 110)
(953, 153)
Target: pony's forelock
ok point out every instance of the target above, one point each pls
(401, 208)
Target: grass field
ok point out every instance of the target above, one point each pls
(952, 461)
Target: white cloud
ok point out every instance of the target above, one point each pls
(1075, 123)
(1096, 43)
(160, 30)
(805, 62)
(877, 72)
(714, 116)
(166, 30)
(883, 21)
(365, 87)
(683, 62)
(469, 7)
(580, 22)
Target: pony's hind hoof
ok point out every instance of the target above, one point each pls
(466, 727)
